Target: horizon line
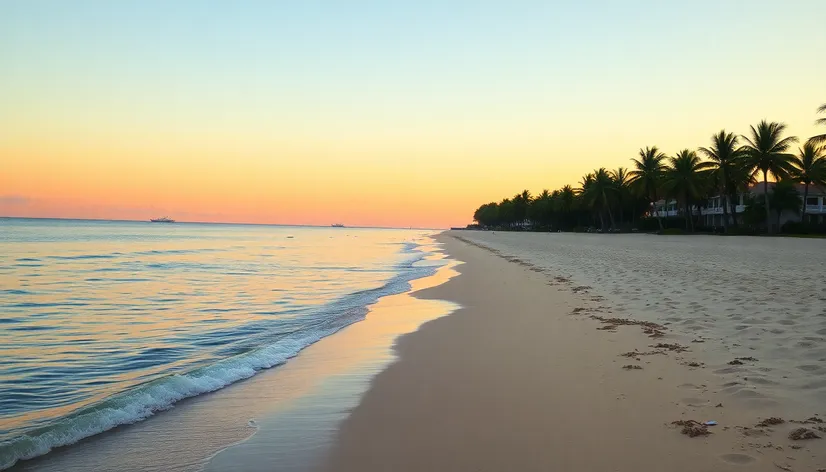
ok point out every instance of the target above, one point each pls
(2, 217)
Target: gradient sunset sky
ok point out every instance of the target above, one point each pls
(389, 113)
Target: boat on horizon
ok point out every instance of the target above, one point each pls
(163, 219)
(337, 225)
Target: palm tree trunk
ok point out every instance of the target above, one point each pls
(601, 221)
(733, 208)
(656, 212)
(690, 216)
(610, 215)
(766, 197)
(724, 198)
(622, 214)
(805, 197)
(689, 226)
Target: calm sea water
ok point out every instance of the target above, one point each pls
(106, 323)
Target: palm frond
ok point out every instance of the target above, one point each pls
(785, 143)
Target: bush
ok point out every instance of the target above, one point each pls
(671, 232)
(742, 231)
(650, 224)
(798, 227)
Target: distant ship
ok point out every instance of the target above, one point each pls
(337, 225)
(164, 219)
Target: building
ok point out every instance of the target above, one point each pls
(712, 211)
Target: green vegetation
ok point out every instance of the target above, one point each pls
(765, 151)
(820, 138)
(624, 199)
(810, 167)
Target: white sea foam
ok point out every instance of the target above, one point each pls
(147, 399)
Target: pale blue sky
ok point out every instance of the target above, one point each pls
(314, 56)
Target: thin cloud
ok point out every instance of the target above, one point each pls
(14, 200)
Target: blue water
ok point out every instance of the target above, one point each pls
(107, 323)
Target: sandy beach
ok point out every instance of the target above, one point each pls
(579, 352)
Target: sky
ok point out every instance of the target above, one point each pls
(380, 113)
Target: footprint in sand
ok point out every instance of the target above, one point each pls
(739, 459)
(693, 401)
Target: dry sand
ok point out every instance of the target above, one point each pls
(523, 378)
(763, 298)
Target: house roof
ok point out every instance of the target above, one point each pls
(814, 190)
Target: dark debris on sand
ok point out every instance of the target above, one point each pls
(803, 433)
(810, 420)
(653, 330)
(692, 428)
(637, 354)
(632, 367)
(770, 422)
(670, 347)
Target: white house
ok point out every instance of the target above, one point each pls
(713, 211)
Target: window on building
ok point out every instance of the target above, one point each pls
(812, 201)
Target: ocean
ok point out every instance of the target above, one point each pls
(106, 323)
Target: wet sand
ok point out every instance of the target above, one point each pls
(285, 416)
(534, 372)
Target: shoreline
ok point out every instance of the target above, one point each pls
(200, 432)
(523, 378)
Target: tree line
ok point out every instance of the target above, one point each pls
(618, 199)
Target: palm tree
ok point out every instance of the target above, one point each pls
(521, 202)
(723, 155)
(683, 179)
(821, 138)
(765, 151)
(622, 182)
(596, 192)
(506, 212)
(487, 215)
(785, 197)
(810, 168)
(586, 195)
(565, 201)
(602, 190)
(647, 174)
(540, 209)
